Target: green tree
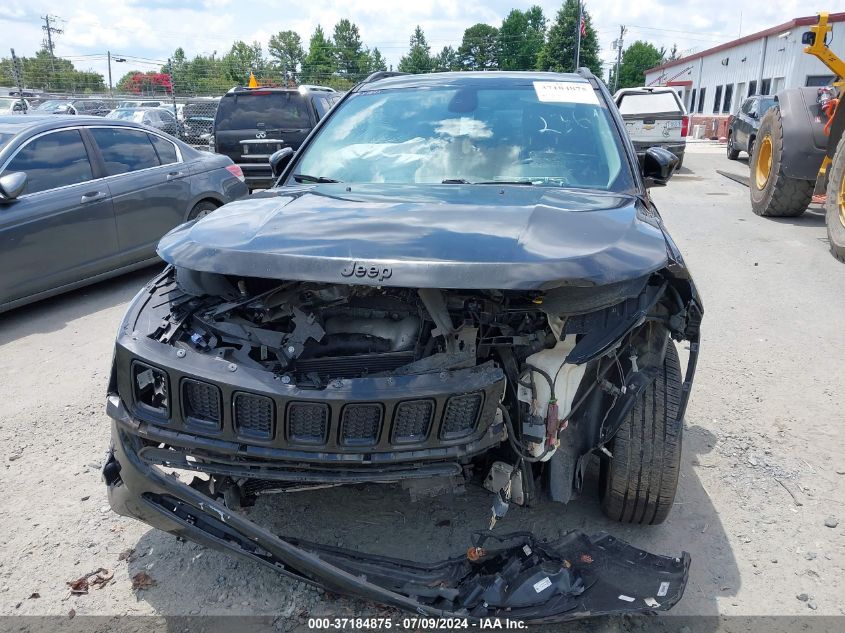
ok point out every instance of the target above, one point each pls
(377, 61)
(418, 59)
(285, 49)
(636, 59)
(51, 73)
(521, 39)
(352, 59)
(558, 53)
(319, 63)
(243, 59)
(446, 60)
(479, 48)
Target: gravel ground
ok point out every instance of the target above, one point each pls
(761, 505)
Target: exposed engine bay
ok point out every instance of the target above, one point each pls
(513, 388)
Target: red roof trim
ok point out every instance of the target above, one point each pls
(805, 21)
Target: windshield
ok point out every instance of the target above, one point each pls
(649, 103)
(765, 105)
(6, 104)
(5, 137)
(272, 110)
(548, 133)
(51, 104)
(126, 115)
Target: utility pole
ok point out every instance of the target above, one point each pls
(172, 85)
(49, 30)
(618, 44)
(111, 94)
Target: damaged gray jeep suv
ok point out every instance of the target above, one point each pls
(458, 277)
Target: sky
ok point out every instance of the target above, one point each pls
(150, 30)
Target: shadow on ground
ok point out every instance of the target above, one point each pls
(381, 519)
(54, 313)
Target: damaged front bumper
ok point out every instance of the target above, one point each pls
(513, 576)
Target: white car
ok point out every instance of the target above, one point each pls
(13, 105)
(654, 117)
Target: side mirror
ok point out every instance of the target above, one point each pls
(658, 166)
(279, 160)
(12, 185)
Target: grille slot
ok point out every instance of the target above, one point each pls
(254, 415)
(352, 366)
(460, 416)
(201, 403)
(308, 422)
(360, 424)
(412, 420)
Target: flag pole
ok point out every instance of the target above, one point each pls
(578, 36)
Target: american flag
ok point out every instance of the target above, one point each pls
(583, 21)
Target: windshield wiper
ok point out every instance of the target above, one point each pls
(464, 181)
(504, 182)
(308, 178)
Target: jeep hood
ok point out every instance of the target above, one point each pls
(432, 236)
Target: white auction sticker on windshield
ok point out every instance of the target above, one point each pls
(565, 92)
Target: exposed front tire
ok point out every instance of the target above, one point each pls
(201, 209)
(638, 483)
(773, 193)
(733, 153)
(835, 204)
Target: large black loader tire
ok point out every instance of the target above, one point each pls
(835, 205)
(773, 193)
(638, 484)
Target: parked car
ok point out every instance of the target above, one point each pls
(252, 123)
(198, 120)
(13, 105)
(742, 129)
(654, 117)
(87, 198)
(159, 118)
(89, 107)
(459, 275)
(140, 103)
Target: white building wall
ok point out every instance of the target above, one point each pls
(778, 58)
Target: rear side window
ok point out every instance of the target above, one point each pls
(54, 160)
(165, 149)
(241, 111)
(649, 103)
(125, 150)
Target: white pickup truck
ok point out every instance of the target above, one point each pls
(654, 117)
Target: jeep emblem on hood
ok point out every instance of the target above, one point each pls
(360, 269)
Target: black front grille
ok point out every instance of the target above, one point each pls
(360, 424)
(352, 366)
(308, 422)
(411, 421)
(254, 415)
(461, 415)
(201, 403)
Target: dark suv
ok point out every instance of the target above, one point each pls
(252, 123)
(460, 278)
(742, 130)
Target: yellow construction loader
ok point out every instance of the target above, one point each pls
(800, 153)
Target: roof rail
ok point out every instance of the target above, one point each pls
(315, 88)
(382, 74)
